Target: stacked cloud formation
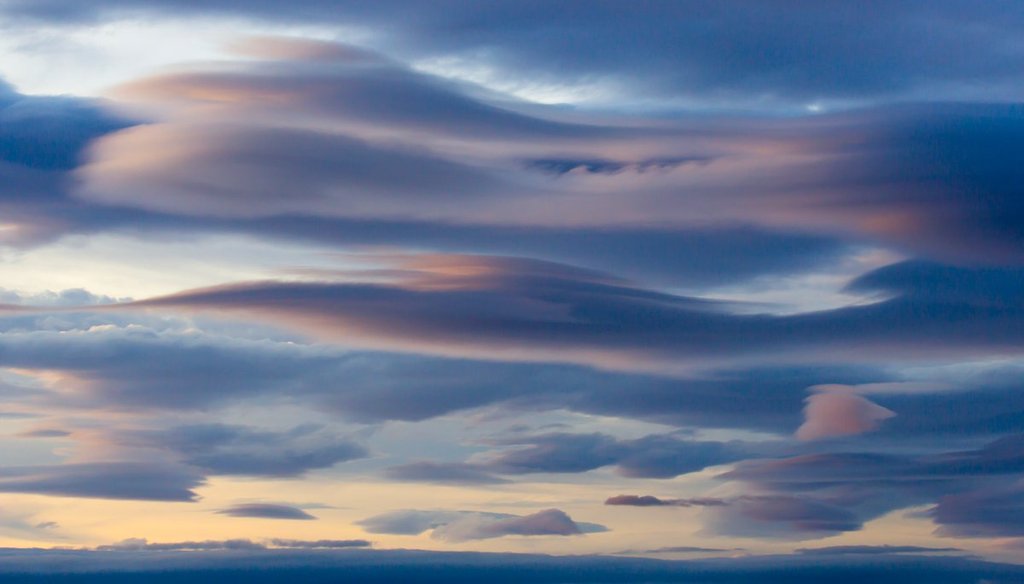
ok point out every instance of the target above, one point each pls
(535, 260)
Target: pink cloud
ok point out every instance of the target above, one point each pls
(840, 413)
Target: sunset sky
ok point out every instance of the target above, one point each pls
(728, 282)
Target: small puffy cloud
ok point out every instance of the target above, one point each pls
(547, 522)
(456, 526)
(835, 413)
(137, 544)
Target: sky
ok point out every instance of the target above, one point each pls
(596, 289)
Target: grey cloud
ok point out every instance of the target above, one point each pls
(900, 176)
(266, 511)
(457, 526)
(258, 172)
(138, 544)
(138, 368)
(934, 180)
(653, 456)
(320, 544)
(781, 516)
(875, 550)
(652, 501)
(684, 549)
(104, 480)
(238, 450)
(994, 510)
(835, 492)
(129, 367)
(541, 310)
(141, 544)
(114, 367)
(367, 92)
(547, 522)
(408, 522)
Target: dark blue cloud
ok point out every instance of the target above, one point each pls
(560, 166)
(50, 133)
(729, 51)
(994, 510)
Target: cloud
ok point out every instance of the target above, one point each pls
(141, 544)
(350, 84)
(684, 549)
(458, 526)
(652, 501)
(869, 175)
(41, 139)
(990, 511)
(875, 550)
(686, 52)
(241, 172)
(810, 494)
(50, 133)
(652, 456)
(320, 544)
(839, 413)
(104, 480)
(560, 166)
(137, 544)
(238, 450)
(490, 307)
(569, 259)
(265, 511)
(93, 364)
(781, 516)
